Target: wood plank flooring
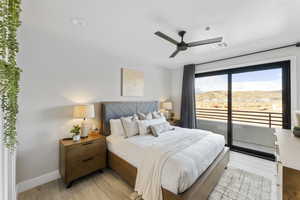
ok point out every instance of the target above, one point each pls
(109, 186)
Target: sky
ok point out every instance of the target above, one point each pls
(266, 80)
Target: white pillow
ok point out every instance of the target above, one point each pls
(116, 127)
(130, 125)
(157, 115)
(143, 116)
(144, 125)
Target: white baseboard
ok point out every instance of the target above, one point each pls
(31, 183)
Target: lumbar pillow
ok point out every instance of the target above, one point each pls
(116, 127)
(130, 126)
(144, 125)
(160, 128)
(157, 115)
(143, 116)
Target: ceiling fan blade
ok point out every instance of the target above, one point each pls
(174, 53)
(203, 42)
(164, 36)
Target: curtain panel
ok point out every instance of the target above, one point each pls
(188, 112)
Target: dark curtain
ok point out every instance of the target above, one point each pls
(188, 113)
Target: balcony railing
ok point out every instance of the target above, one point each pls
(270, 119)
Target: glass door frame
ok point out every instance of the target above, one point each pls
(286, 100)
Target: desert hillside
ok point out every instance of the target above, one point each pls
(242, 100)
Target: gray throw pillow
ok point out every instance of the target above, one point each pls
(158, 129)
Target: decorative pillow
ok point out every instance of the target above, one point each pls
(157, 115)
(130, 126)
(116, 127)
(158, 129)
(143, 116)
(144, 125)
(135, 117)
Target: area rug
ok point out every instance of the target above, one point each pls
(237, 184)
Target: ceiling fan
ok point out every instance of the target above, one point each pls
(182, 46)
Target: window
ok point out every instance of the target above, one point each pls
(245, 105)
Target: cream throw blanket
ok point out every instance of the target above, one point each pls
(148, 181)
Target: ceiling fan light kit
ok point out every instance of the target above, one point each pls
(182, 46)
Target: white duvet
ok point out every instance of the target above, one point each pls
(184, 163)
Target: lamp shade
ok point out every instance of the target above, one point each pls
(167, 105)
(84, 111)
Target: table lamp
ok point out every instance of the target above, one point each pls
(168, 106)
(84, 112)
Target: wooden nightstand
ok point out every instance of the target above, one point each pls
(80, 158)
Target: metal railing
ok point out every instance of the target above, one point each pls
(269, 119)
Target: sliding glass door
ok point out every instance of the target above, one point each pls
(256, 108)
(245, 105)
(212, 103)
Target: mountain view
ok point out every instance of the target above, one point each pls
(267, 101)
(251, 91)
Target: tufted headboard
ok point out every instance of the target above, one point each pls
(116, 110)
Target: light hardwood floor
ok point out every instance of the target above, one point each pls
(108, 186)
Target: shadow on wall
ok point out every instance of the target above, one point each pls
(65, 113)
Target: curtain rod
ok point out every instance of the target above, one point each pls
(248, 54)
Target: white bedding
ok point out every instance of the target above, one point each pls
(184, 167)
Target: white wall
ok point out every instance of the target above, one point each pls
(58, 73)
(290, 53)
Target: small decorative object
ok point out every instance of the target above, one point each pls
(167, 106)
(75, 132)
(296, 131)
(132, 83)
(84, 112)
(172, 116)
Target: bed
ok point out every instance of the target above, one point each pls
(180, 179)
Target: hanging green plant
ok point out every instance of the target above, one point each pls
(9, 72)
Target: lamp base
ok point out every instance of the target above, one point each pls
(84, 131)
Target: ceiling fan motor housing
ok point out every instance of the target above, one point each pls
(182, 46)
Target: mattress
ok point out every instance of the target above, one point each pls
(183, 168)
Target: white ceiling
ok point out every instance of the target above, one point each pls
(125, 27)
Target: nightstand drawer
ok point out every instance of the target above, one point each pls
(87, 157)
(86, 166)
(85, 150)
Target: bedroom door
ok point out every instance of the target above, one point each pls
(212, 103)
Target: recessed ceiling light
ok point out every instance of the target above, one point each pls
(78, 21)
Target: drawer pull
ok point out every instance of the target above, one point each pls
(87, 143)
(88, 159)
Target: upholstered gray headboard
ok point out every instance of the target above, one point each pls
(116, 110)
